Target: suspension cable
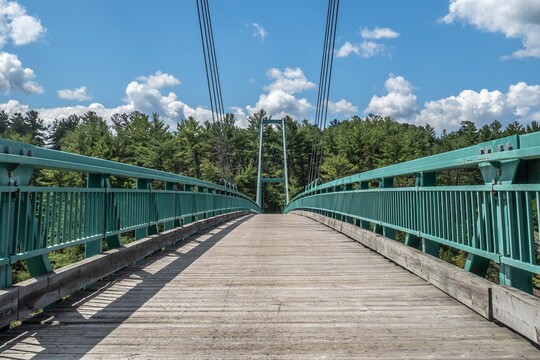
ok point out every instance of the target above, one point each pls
(324, 89)
(214, 84)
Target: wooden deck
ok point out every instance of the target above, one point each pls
(268, 287)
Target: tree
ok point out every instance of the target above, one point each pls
(60, 128)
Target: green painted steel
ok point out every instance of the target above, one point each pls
(496, 222)
(35, 221)
(260, 179)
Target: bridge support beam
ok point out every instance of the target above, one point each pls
(477, 265)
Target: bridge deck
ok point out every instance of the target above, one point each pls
(272, 286)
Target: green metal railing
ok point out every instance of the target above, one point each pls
(497, 221)
(35, 221)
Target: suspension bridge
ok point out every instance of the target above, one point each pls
(210, 276)
(181, 268)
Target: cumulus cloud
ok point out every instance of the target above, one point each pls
(143, 94)
(347, 49)
(280, 99)
(13, 76)
(371, 48)
(79, 94)
(399, 101)
(368, 48)
(342, 107)
(259, 31)
(518, 19)
(16, 25)
(520, 102)
(379, 33)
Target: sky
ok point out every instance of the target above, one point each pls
(423, 62)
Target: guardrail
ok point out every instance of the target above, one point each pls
(35, 221)
(497, 221)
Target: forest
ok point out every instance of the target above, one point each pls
(222, 150)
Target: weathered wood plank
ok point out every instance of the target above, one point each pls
(273, 286)
(36, 293)
(465, 287)
(517, 310)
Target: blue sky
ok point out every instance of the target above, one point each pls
(423, 62)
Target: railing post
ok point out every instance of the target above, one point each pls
(24, 221)
(364, 185)
(170, 186)
(6, 231)
(385, 231)
(428, 179)
(17, 221)
(511, 212)
(349, 219)
(94, 247)
(151, 229)
(191, 216)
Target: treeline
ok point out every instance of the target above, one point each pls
(215, 151)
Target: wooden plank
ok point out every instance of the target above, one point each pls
(465, 287)
(274, 286)
(518, 311)
(9, 306)
(36, 293)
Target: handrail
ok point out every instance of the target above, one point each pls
(500, 150)
(497, 221)
(37, 220)
(19, 153)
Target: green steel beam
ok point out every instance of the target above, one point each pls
(273, 180)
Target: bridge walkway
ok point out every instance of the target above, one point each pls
(265, 286)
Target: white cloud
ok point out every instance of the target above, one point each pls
(240, 116)
(514, 18)
(366, 49)
(398, 102)
(521, 102)
(17, 26)
(259, 31)
(379, 33)
(142, 94)
(371, 48)
(347, 49)
(13, 76)
(342, 107)
(280, 100)
(79, 94)
(290, 80)
(13, 106)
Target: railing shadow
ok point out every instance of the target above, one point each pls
(65, 329)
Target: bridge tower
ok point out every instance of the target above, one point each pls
(260, 178)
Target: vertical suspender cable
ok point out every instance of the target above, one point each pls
(324, 116)
(319, 93)
(205, 57)
(324, 88)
